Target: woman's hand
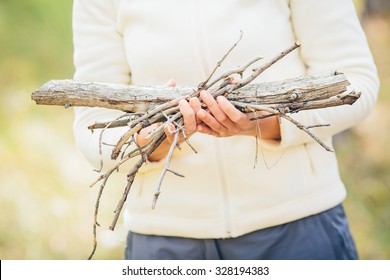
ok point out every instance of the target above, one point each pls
(190, 122)
(222, 119)
(189, 111)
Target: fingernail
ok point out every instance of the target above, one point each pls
(220, 98)
(192, 100)
(201, 114)
(205, 93)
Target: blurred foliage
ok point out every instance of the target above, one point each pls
(46, 206)
(364, 157)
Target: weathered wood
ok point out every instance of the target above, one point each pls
(134, 98)
(348, 97)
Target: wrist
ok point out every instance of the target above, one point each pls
(268, 128)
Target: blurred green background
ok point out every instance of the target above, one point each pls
(46, 206)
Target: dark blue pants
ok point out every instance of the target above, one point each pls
(324, 236)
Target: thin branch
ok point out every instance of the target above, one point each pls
(188, 142)
(284, 115)
(130, 179)
(166, 167)
(238, 71)
(219, 63)
(101, 141)
(125, 137)
(264, 67)
(176, 173)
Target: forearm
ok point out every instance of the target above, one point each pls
(267, 128)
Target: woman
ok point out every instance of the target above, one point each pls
(289, 206)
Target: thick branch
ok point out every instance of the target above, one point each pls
(132, 98)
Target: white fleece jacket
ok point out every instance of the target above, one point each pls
(147, 42)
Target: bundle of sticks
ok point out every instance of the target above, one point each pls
(143, 106)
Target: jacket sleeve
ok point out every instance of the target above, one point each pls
(99, 56)
(332, 39)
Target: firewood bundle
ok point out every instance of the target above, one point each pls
(143, 106)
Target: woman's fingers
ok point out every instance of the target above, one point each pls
(211, 122)
(196, 106)
(215, 109)
(169, 130)
(203, 128)
(221, 118)
(233, 114)
(188, 116)
(212, 105)
(189, 120)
